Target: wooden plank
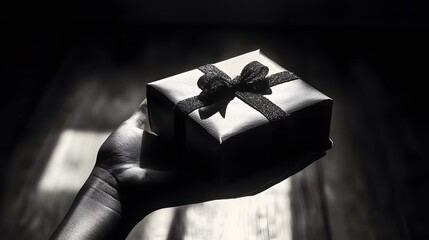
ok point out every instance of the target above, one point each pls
(359, 191)
(308, 205)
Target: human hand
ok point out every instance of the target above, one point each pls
(122, 189)
(143, 189)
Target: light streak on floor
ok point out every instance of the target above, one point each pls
(72, 160)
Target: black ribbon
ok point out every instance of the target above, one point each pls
(217, 86)
(249, 86)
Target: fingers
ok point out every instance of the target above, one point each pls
(143, 107)
(140, 118)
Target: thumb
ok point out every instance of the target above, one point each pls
(140, 118)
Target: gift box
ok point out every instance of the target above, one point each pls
(232, 119)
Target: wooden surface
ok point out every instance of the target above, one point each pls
(357, 191)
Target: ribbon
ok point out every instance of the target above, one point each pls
(217, 86)
(249, 87)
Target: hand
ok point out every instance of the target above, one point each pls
(141, 189)
(120, 192)
(122, 189)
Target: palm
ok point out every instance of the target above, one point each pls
(120, 153)
(154, 189)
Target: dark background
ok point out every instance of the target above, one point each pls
(369, 56)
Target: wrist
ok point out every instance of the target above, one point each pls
(117, 196)
(102, 187)
(96, 212)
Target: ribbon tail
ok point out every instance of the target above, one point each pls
(217, 107)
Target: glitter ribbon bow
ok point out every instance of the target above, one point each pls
(249, 86)
(217, 86)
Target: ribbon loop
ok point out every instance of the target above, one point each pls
(254, 77)
(253, 73)
(214, 87)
